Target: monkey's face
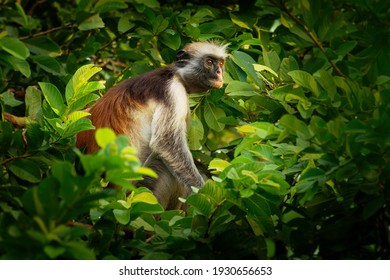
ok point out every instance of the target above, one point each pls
(201, 65)
(214, 68)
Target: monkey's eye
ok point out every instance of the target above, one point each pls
(221, 64)
(209, 62)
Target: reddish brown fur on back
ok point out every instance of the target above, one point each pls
(112, 110)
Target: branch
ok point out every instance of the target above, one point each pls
(78, 224)
(19, 121)
(43, 33)
(114, 40)
(312, 36)
(15, 157)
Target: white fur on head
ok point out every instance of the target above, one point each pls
(199, 49)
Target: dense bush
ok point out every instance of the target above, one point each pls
(296, 146)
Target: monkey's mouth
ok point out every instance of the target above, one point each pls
(217, 83)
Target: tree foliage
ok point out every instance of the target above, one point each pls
(296, 145)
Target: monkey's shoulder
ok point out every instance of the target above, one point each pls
(150, 85)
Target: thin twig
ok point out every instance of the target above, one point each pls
(114, 40)
(15, 157)
(43, 33)
(312, 36)
(78, 224)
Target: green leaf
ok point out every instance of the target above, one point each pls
(346, 48)
(144, 171)
(43, 46)
(14, 47)
(295, 126)
(273, 182)
(145, 197)
(265, 153)
(78, 86)
(21, 65)
(237, 88)
(18, 64)
(306, 80)
(79, 251)
(202, 203)
(22, 13)
(171, 39)
(122, 216)
(49, 64)
(246, 62)
(93, 22)
(146, 208)
(259, 210)
(81, 103)
(300, 97)
(26, 169)
(125, 23)
(90, 86)
(76, 127)
(261, 129)
(43, 200)
(202, 15)
(300, 33)
(154, 4)
(218, 165)
(77, 115)
(195, 133)
(54, 98)
(212, 114)
(103, 6)
(53, 252)
(325, 79)
(215, 191)
(243, 21)
(104, 136)
(159, 24)
(272, 60)
(260, 68)
(287, 65)
(33, 101)
(9, 99)
(192, 31)
(6, 130)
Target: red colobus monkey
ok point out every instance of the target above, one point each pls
(153, 111)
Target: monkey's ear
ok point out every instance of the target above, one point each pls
(182, 55)
(182, 58)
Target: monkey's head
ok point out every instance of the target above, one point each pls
(200, 65)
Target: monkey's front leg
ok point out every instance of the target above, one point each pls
(169, 142)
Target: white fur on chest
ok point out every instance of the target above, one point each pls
(179, 99)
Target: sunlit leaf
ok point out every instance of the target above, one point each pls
(53, 97)
(104, 136)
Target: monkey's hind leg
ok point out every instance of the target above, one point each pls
(166, 188)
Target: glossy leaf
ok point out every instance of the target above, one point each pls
(14, 47)
(53, 97)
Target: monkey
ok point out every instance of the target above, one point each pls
(153, 111)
